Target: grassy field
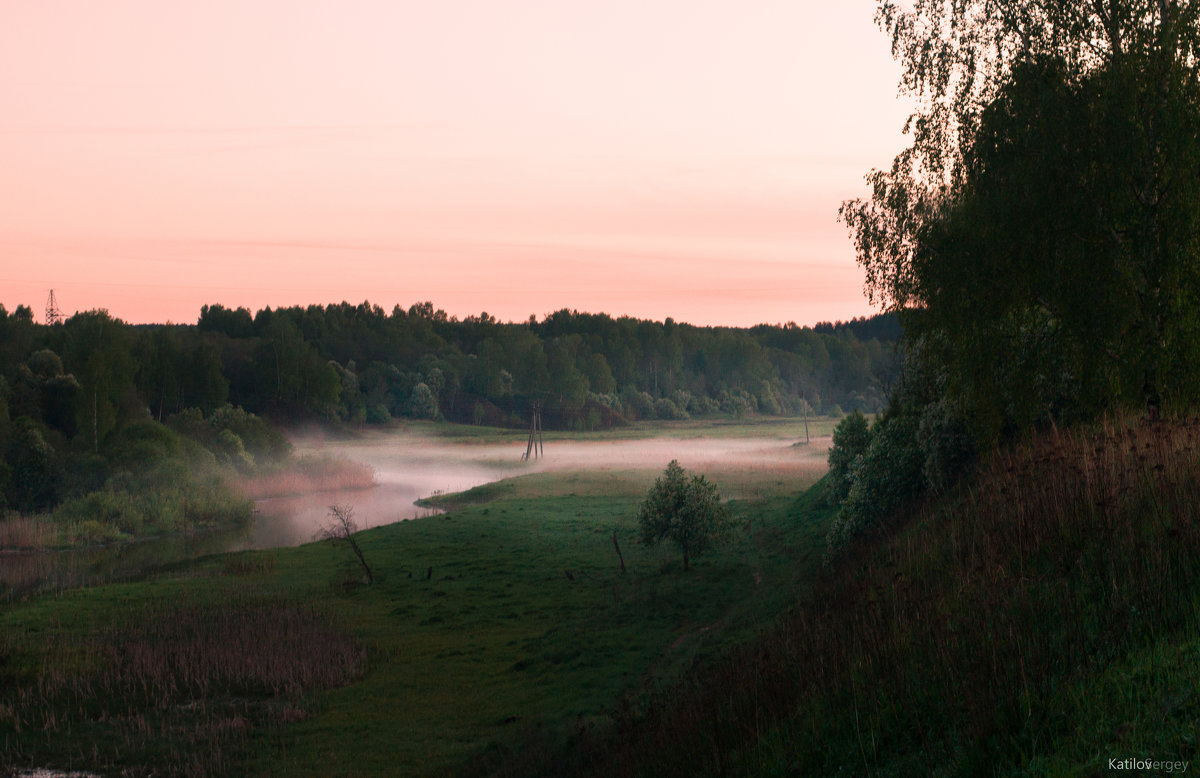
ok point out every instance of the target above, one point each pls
(505, 621)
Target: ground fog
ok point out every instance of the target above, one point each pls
(410, 465)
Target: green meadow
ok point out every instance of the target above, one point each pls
(504, 622)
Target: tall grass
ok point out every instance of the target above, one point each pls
(941, 646)
(170, 690)
(114, 512)
(309, 475)
(27, 533)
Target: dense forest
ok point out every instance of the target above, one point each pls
(79, 398)
(587, 371)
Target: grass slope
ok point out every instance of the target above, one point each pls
(1042, 620)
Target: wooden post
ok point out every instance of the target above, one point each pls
(537, 415)
(534, 445)
(617, 546)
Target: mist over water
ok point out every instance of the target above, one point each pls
(409, 466)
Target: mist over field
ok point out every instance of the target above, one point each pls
(410, 465)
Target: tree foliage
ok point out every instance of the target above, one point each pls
(1040, 231)
(885, 478)
(355, 363)
(850, 439)
(687, 512)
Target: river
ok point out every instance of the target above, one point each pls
(409, 466)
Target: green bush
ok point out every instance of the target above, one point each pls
(423, 403)
(169, 506)
(190, 422)
(689, 513)
(850, 439)
(768, 399)
(947, 444)
(34, 469)
(109, 507)
(142, 443)
(638, 405)
(665, 408)
(888, 476)
(261, 440)
(377, 413)
(209, 503)
(229, 448)
(702, 405)
(737, 402)
(92, 532)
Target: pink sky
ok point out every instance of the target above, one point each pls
(655, 158)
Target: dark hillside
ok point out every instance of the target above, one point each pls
(1041, 618)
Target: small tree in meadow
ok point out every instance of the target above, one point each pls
(687, 512)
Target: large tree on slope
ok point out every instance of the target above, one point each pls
(1042, 223)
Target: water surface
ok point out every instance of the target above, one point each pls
(409, 466)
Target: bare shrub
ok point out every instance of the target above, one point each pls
(340, 527)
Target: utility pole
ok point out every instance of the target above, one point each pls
(53, 314)
(534, 446)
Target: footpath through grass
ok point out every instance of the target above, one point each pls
(504, 622)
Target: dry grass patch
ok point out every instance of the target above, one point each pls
(172, 688)
(309, 475)
(27, 532)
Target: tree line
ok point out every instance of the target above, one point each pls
(77, 396)
(356, 364)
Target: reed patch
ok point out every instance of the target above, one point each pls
(173, 688)
(308, 475)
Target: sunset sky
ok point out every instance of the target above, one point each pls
(655, 158)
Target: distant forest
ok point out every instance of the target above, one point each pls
(355, 363)
(358, 364)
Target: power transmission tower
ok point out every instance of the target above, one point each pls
(53, 314)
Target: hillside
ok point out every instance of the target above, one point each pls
(1040, 619)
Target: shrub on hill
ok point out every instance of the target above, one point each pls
(886, 477)
(850, 439)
